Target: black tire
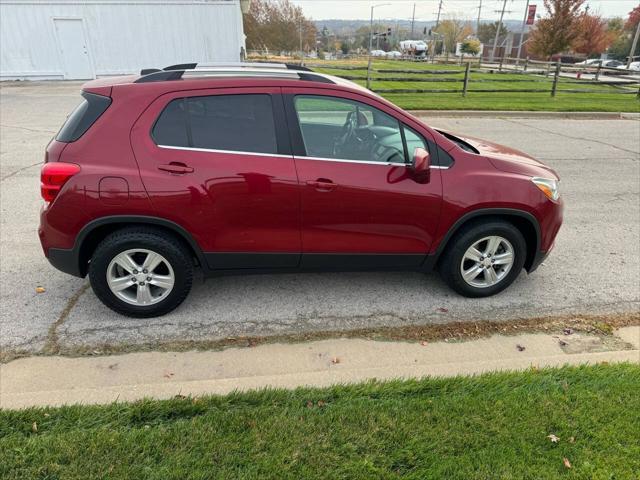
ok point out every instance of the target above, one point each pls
(171, 248)
(450, 262)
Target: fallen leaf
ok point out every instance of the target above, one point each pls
(553, 438)
(335, 360)
(443, 310)
(566, 462)
(572, 439)
(321, 403)
(520, 348)
(179, 396)
(47, 415)
(309, 404)
(562, 343)
(34, 427)
(113, 366)
(424, 343)
(169, 375)
(40, 290)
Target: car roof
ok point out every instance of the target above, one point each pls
(223, 77)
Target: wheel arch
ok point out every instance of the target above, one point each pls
(524, 221)
(95, 231)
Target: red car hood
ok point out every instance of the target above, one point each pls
(506, 158)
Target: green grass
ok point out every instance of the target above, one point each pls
(488, 427)
(605, 100)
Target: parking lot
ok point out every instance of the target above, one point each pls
(595, 267)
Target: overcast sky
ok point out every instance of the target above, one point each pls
(427, 9)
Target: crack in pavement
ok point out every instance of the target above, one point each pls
(9, 175)
(52, 346)
(523, 124)
(36, 130)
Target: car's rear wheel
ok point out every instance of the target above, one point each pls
(483, 258)
(141, 272)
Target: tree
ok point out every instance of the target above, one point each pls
(633, 20)
(593, 36)
(470, 46)
(453, 30)
(487, 31)
(623, 33)
(276, 25)
(555, 33)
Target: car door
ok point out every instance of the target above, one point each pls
(361, 207)
(218, 163)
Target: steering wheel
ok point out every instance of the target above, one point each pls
(347, 134)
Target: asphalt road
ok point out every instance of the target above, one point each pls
(595, 267)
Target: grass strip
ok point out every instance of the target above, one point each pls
(484, 427)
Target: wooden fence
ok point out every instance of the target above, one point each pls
(548, 74)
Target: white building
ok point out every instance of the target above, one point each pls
(70, 39)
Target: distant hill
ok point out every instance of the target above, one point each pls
(348, 27)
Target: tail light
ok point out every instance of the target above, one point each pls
(53, 176)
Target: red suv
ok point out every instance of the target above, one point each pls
(253, 169)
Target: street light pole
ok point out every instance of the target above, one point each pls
(413, 19)
(371, 42)
(301, 52)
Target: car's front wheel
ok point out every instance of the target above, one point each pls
(484, 258)
(141, 272)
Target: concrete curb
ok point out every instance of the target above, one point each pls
(40, 381)
(526, 114)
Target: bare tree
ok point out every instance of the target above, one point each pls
(454, 30)
(276, 25)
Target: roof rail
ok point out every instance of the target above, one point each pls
(228, 69)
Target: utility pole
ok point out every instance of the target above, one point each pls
(478, 24)
(524, 25)
(634, 44)
(495, 40)
(439, 10)
(413, 19)
(371, 42)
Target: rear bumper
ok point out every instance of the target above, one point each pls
(66, 260)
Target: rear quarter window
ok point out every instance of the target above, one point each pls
(84, 115)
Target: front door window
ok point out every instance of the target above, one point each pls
(342, 129)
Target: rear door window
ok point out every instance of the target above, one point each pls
(242, 123)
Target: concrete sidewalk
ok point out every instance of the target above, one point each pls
(39, 381)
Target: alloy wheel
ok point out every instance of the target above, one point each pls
(487, 261)
(140, 277)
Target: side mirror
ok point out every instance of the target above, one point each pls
(421, 165)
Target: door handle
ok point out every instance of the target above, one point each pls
(176, 167)
(322, 184)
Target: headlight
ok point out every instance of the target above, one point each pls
(548, 186)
